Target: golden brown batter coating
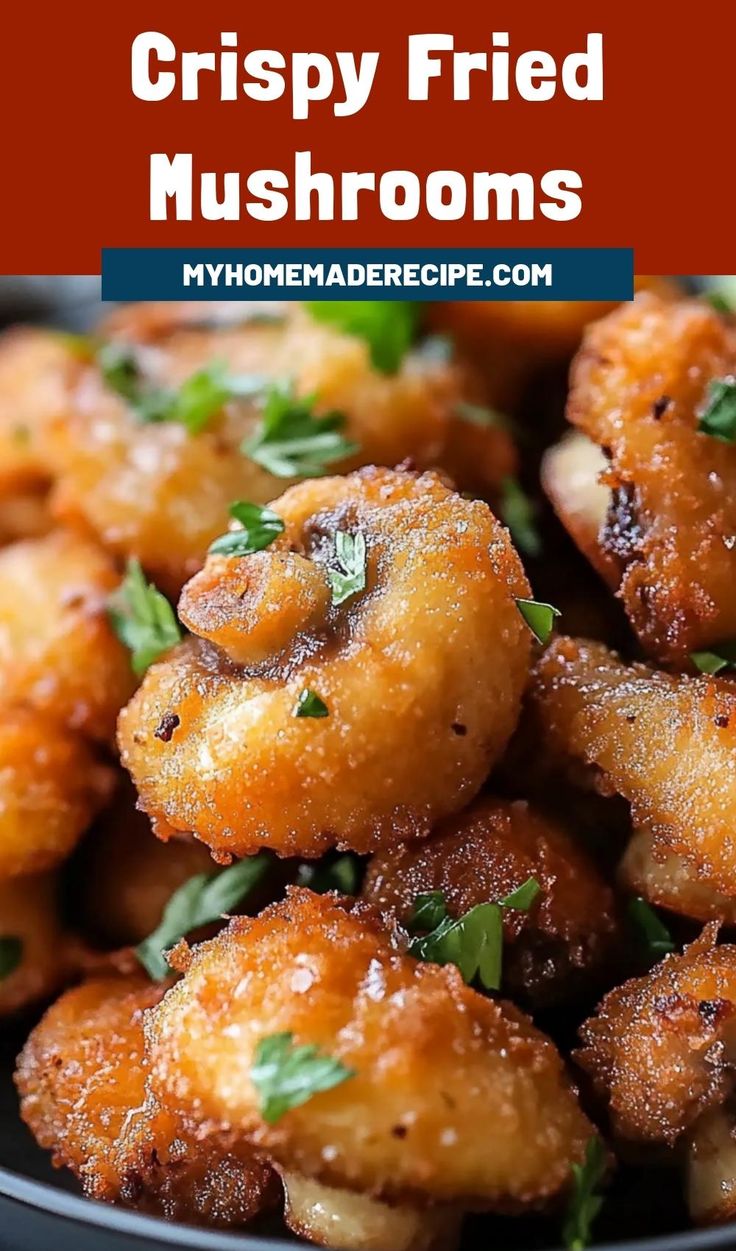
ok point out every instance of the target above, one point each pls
(670, 881)
(660, 1047)
(435, 1065)
(484, 854)
(37, 370)
(639, 387)
(82, 1082)
(711, 1167)
(433, 652)
(665, 742)
(24, 514)
(30, 913)
(58, 652)
(158, 492)
(51, 786)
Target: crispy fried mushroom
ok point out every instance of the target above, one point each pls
(484, 854)
(664, 742)
(453, 1097)
(433, 651)
(354, 1222)
(30, 917)
(82, 1082)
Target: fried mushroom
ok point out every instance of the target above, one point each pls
(664, 742)
(639, 388)
(82, 1083)
(355, 1222)
(485, 854)
(431, 651)
(58, 652)
(660, 1047)
(51, 787)
(38, 951)
(450, 1097)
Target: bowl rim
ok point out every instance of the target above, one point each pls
(53, 1201)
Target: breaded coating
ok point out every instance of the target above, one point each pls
(711, 1167)
(665, 742)
(30, 914)
(355, 1222)
(82, 1082)
(433, 652)
(659, 1047)
(58, 651)
(638, 388)
(571, 473)
(51, 786)
(453, 1097)
(669, 881)
(154, 490)
(37, 370)
(484, 854)
(128, 875)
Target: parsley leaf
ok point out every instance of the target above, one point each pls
(539, 617)
(192, 404)
(349, 577)
(11, 954)
(204, 898)
(309, 704)
(584, 1203)
(713, 662)
(388, 326)
(142, 618)
(474, 941)
(518, 512)
(718, 418)
(287, 1076)
(721, 293)
(290, 441)
(260, 526)
(340, 873)
(652, 930)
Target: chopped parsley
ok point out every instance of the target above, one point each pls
(309, 704)
(341, 873)
(286, 1076)
(713, 662)
(653, 932)
(11, 954)
(721, 293)
(718, 418)
(585, 1204)
(193, 404)
(474, 941)
(259, 527)
(291, 441)
(201, 900)
(481, 415)
(387, 326)
(518, 513)
(142, 618)
(539, 617)
(349, 576)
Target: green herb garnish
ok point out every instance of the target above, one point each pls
(481, 415)
(713, 662)
(201, 900)
(11, 954)
(721, 293)
(388, 326)
(518, 513)
(718, 418)
(142, 618)
(473, 942)
(286, 1076)
(340, 873)
(309, 704)
(653, 931)
(539, 617)
(260, 526)
(291, 441)
(349, 576)
(585, 1204)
